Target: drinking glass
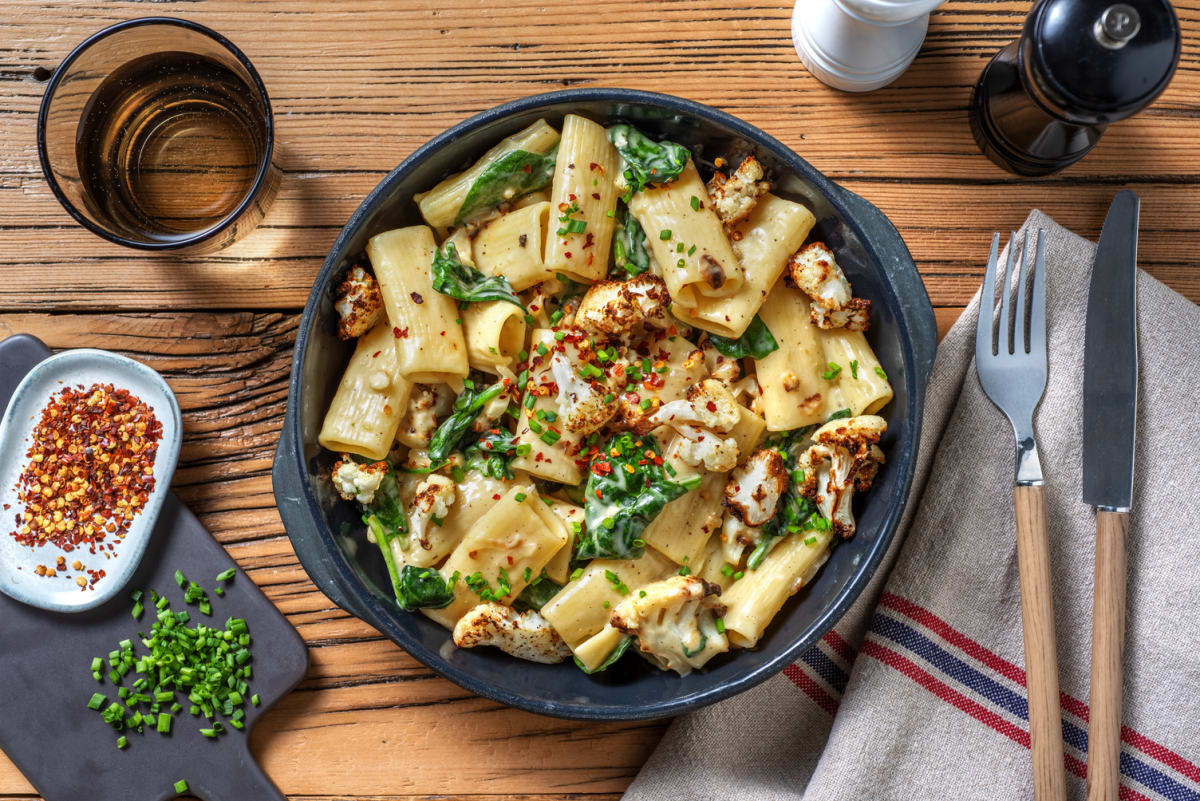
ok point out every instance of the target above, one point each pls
(156, 133)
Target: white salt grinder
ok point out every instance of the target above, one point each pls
(859, 45)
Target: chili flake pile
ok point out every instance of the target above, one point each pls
(90, 472)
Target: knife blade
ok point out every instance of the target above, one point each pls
(1110, 364)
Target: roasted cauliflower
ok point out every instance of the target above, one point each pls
(435, 495)
(525, 635)
(675, 622)
(426, 404)
(844, 457)
(725, 369)
(584, 405)
(735, 196)
(816, 273)
(754, 489)
(707, 404)
(357, 482)
(618, 308)
(359, 303)
(709, 451)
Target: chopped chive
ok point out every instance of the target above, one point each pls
(519, 497)
(720, 625)
(226, 575)
(664, 234)
(854, 368)
(181, 786)
(695, 201)
(550, 437)
(97, 701)
(180, 579)
(122, 742)
(879, 372)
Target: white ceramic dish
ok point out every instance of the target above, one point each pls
(18, 562)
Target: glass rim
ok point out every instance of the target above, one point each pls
(264, 165)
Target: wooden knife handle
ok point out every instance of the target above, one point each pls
(1108, 641)
(1041, 660)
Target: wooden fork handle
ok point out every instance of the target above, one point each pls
(1041, 660)
(1108, 641)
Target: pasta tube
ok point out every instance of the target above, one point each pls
(687, 239)
(582, 201)
(429, 341)
(370, 400)
(763, 242)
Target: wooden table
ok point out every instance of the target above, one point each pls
(357, 86)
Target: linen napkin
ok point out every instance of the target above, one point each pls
(919, 692)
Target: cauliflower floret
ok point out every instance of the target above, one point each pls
(426, 404)
(435, 495)
(525, 635)
(707, 404)
(674, 621)
(618, 308)
(359, 303)
(845, 457)
(357, 482)
(754, 489)
(725, 369)
(816, 273)
(708, 451)
(735, 196)
(583, 405)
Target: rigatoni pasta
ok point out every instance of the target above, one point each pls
(612, 408)
(424, 322)
(582, 201)
(692, 249)
(365, 412)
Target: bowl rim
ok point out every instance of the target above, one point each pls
(382, 616)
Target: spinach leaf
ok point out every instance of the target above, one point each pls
(451, 276)
(646, 161)
(454, 428)
(492, 453)
(423, 588)
(386, 509)
(537, 594)
(629, 244)
(610, 660)
(507, 178)
(756, 341)
(626, 489)
(794, 514)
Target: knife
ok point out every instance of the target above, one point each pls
(1110, 379)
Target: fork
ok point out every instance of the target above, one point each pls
(1010, 356)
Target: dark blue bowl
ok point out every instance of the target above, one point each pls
(328, 536)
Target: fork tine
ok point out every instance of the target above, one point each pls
(1005, 335)
(1037, 307)
(1025, 267)
(985, 328)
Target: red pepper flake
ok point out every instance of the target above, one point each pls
(594, 166)
(473, 554)
(528, 168)
(570, 196)
(510, 559)
(442, 333)
(400, 333)
(375, 355)
(588, 241)
(568, 253)
(496, 496)
(712, 407)
(90, 470)
(596, 195)
(599, 494)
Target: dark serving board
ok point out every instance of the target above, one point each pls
(65, 749)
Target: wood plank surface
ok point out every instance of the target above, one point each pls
(358, 86)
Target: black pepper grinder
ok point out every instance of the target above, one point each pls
(1044, 100)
